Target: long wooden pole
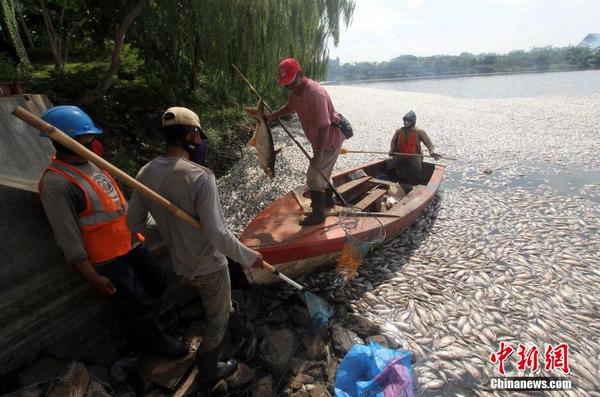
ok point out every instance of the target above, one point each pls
(249, 84)
(346, 151)
(57, 135)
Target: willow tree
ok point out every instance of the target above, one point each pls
(8, 22)
(190, 40)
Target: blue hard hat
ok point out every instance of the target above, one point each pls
(71, 120)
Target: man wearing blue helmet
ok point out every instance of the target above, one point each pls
(87, 210)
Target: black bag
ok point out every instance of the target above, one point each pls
(344, 126)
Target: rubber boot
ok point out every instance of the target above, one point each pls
(210, 369)
(329, 203)
(317, 215)
(153, 338)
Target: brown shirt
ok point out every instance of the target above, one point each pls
(421, 137)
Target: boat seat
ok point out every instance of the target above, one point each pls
(371, 198)
(384, 183)
(351, 185)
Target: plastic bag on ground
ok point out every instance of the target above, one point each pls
(376, 371)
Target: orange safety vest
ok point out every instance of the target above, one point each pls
(407, 147)
(102, 222)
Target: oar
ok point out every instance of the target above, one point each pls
(346, 151)
(65, 140)
(337, 194)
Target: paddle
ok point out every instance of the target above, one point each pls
(337, 194)
(347, 151)
(62, 138)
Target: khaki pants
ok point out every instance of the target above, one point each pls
(215, 291)
(407, 168)
(314, 180)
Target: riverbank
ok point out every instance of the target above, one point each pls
(449, 76)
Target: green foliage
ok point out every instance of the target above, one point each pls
(8, 23)
(538, 59)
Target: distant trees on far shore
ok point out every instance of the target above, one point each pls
(407, 66)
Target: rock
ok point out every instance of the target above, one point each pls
(319, 390)
(278, 316)
(28, 391)
(299, 316)
(380, 339)
(95, 389)
(296, 365)
(279, 346)
(343, 338)
(297, 387)
(120, 369)
(250, 346)
(43, 369)
(74, 382)
(315, 347)
(242, 376)
(361, 325)
(220, 388)
(263, 387)
(99, 373)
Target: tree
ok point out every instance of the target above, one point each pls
(8, 23)
(104, 84)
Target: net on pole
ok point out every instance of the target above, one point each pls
(363, 232)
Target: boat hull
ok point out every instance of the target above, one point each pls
(296, 250)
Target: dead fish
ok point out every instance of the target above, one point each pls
(262, 140)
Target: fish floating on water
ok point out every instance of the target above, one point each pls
(262, 140)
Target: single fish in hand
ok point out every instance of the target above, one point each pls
(262, 140)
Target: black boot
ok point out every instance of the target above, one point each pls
(317, 215)
(329, 203)
(210, 369)
(153, 338)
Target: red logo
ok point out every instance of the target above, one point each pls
(555, 358)
(501, 355)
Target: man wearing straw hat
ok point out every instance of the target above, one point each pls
(86, 210)
(199, 257)
(319, 120)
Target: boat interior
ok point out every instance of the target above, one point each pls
(373, 188)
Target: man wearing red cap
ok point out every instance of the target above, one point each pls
(319, 120)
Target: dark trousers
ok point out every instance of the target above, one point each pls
(139, 280)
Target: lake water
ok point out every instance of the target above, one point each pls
(501, 86)
(580, 86)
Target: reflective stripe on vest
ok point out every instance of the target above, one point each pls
(103, 226)
(407, 147)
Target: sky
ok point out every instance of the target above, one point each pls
(384, 29)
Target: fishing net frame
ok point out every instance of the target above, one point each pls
(358, 243)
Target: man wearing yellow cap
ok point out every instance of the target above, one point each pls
(320, 122)
(198, 257)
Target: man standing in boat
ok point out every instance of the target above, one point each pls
(408, 140)
(309, 100)
(198, 257)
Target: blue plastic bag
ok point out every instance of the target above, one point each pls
(374, 370)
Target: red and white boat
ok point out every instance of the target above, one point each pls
(296, 250)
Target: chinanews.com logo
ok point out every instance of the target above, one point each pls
(555, 360)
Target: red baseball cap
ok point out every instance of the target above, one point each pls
(288, 69)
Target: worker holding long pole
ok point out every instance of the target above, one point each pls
(320, 122)
(407, 140)
(199, 257)
(87, 210)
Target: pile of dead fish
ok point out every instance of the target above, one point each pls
(508, 256)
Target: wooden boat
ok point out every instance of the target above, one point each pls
(295, 250)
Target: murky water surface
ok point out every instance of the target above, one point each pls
(508, 251)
